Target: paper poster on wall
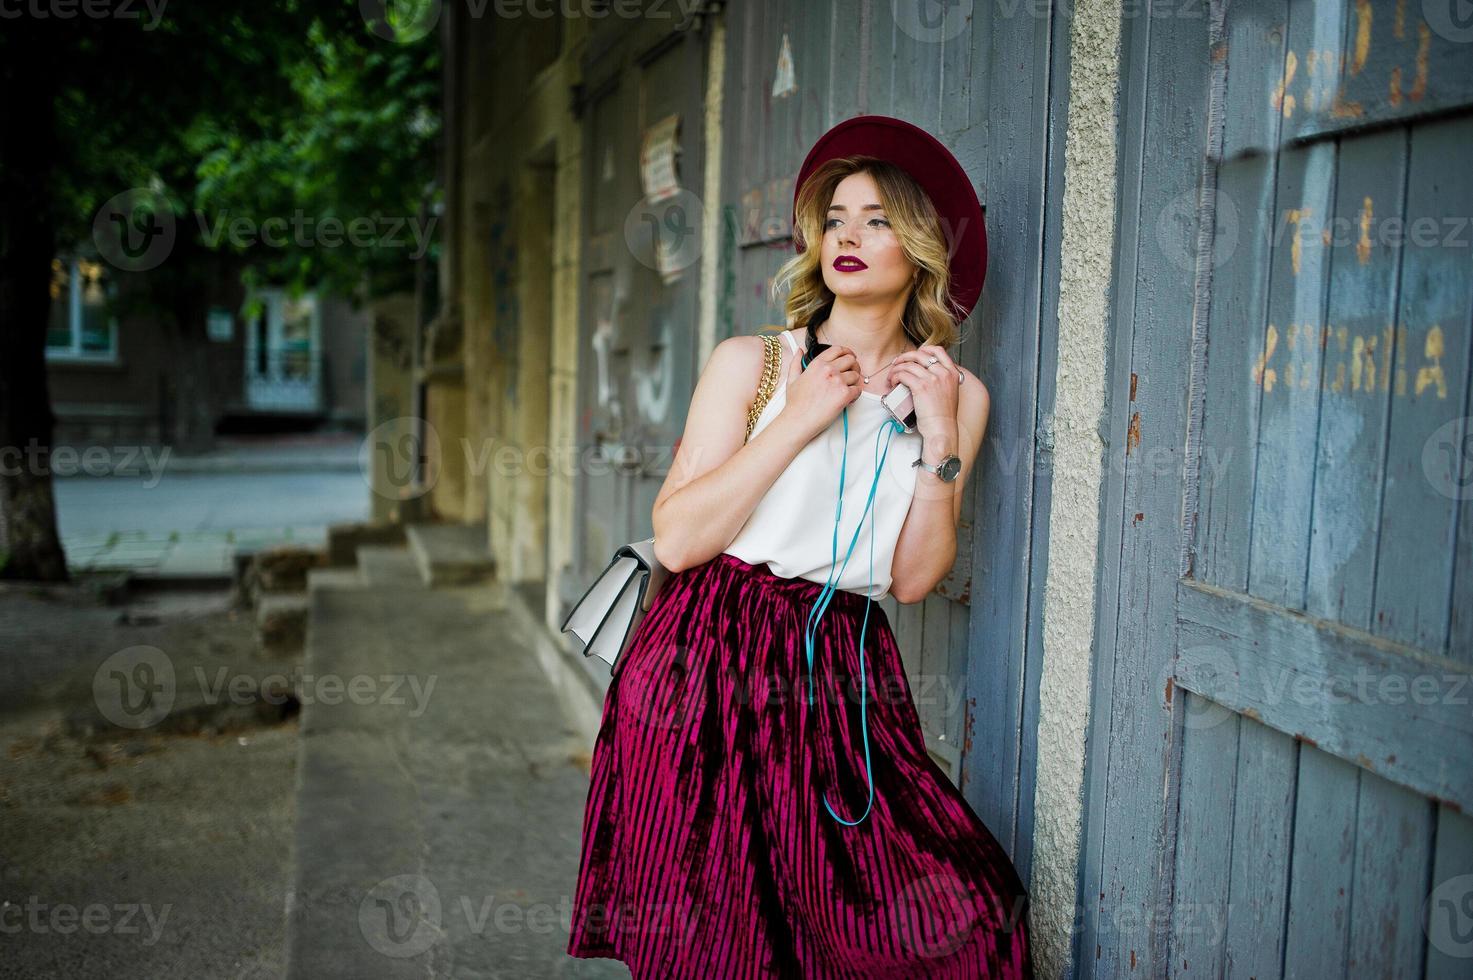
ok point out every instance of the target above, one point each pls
(785, 81)
(657, 159)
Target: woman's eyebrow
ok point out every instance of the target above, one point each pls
(867, 207)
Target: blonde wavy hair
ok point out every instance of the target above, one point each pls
(930, 317)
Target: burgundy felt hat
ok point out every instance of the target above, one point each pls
(931, 165)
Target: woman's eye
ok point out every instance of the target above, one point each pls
(832, 221)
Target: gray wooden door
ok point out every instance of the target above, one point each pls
(975, 77)
(637, 335)
(1282, 753)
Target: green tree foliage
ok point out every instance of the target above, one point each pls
(226, 114)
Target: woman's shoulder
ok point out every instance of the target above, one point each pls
(738, 356)
(744, 355)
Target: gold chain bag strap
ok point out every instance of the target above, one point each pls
(772, 355)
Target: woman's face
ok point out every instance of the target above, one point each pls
(857, 228)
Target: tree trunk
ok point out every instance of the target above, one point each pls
(29, 545)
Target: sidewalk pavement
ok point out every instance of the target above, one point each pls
(311, 452)
(191, 555)
(439, 811)
(239, 496)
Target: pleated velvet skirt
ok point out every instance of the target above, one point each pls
(707, 849)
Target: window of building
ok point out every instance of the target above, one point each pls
(82, 325)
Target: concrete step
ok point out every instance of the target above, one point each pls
(343, 540)
(451, 554)
(335, 578)
(387, 565)
(281, 624)
(440, 794)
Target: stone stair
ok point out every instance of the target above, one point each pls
(451, 554)
(439, 808)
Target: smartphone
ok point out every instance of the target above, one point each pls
(901, 406)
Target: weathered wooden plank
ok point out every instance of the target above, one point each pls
(1321, 869)
(1447, 908)
(916, 68)
(848, 80)
(1263, 820)
(1414, 563)
(1006, 151)
(1131, 868)
(1353, 407)
(782, 126)
(1237, 314)
(1388, 708)
(1288, 416)
(935, 675)
(1374, 61)
(907, 624)
(959, 83)
(956, 673)
(879, 58)
(1393, 850)
(1199, 906)
(1255, 32)
(1035, 314)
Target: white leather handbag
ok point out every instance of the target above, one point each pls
(609, 613)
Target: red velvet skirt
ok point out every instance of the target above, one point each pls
(708, 850)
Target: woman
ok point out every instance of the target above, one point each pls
(762, 804)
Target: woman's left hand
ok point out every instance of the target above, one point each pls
(933, 386)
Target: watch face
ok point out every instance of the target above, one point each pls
(950, 468)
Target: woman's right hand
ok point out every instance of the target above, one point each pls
(816, 396)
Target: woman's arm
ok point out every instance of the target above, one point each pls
(926, 548)
(715, 480)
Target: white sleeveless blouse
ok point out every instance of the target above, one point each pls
(792, 527)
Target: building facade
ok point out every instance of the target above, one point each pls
(1227, 450)
(123, 373)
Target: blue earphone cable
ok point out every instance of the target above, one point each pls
(830, 586)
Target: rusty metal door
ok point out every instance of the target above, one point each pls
(1282, 753)
(641, 267)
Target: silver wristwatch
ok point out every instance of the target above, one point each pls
(948, 469)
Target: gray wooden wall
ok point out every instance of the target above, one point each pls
(1282, 755)
(981, 85)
